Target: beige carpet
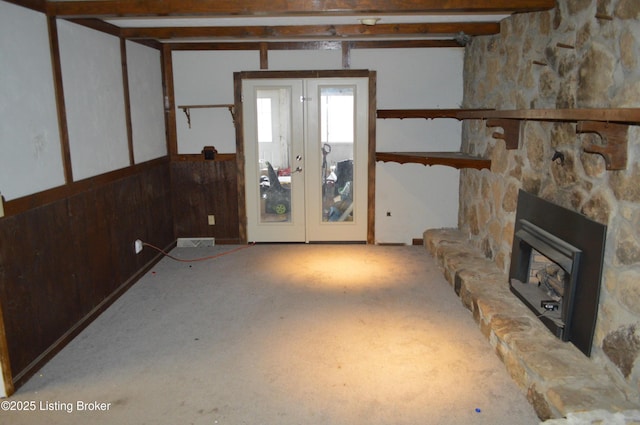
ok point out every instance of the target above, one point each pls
(281, 334)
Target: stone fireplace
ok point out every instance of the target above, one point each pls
(556, 267)
(528, 66)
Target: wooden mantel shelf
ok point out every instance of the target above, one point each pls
(616, 115)
(451, 159)
(611, 124)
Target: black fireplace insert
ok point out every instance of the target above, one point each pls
(556, 267)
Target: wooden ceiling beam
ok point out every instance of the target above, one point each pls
(110, 29)
(37, 5)
(314, 31)
(98, 25)
(314, 45)
(266, 8)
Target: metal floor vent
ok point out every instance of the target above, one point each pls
(195, 242)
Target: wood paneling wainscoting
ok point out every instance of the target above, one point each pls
(201, 188)
(63, 262)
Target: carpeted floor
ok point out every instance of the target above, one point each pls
(279, 335)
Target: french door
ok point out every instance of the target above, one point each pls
(306, 159)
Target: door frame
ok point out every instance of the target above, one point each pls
(240, 156)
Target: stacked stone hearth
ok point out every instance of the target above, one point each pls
(557, 378)
(582, 54)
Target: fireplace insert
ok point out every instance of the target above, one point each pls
(556, 267)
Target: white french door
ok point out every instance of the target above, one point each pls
(306, 147)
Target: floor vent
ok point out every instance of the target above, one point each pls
(195, 242)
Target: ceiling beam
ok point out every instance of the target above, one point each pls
(314, 45)
(314, 31)
(110, 29)
(266, 8)
(37, 5)
(98, 25)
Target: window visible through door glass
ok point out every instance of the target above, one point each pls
(274, 146)
(337, 118)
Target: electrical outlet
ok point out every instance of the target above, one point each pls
(212, 220)
(137, 246)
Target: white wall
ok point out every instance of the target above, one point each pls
(30, 152)
(418, 197)
(288, 60)
(94, 100)
(30, 147)
(147, 102)
(206, 78)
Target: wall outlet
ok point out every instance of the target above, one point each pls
(211, 219)
(137, 246)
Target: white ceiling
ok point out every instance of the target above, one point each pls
(180, 21)
(297, 20)
(302, 21)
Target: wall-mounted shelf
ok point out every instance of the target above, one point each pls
(611, 125)
(425, 113)
(451, 159)
(187, 110)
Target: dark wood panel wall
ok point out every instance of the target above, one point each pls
(62, 263)
(201, 188)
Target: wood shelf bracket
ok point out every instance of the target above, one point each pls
(187, 113)
(614, 138)
(187, 110)
(512, 130)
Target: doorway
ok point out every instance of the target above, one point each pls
(307, 166)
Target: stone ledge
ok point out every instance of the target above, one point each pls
(557, 378)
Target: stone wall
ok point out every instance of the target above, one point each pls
(582, 54)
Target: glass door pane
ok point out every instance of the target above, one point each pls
(273, 151)
(337, 117)
(305, 154)
(337, 154)
(273, 106)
